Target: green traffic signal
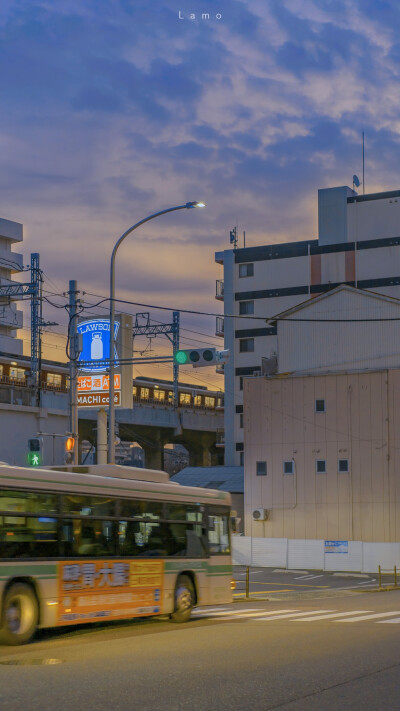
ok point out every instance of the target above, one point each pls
(34, 459)
(181, 357)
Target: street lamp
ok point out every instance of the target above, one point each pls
(111, 424)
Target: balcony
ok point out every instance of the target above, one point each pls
(220, 438)
(219, 289)
(219, 326)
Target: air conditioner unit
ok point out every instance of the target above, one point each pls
(260, 514)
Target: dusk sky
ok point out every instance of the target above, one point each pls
(114, 109)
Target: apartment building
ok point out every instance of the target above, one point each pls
(10, 263)
(358, 244)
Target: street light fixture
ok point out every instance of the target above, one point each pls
(111, 424)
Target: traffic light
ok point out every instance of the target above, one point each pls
(69, 448)
(199, 357)
(35, 451)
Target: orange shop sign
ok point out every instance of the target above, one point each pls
(99, 383)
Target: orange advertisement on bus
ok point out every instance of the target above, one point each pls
(91, 590)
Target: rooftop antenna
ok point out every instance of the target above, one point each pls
(363, 161)
(233, 237)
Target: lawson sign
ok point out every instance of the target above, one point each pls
(96, 344)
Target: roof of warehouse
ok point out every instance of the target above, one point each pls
(224, 478)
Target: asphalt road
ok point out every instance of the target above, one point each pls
(275, 583)
(342, 653)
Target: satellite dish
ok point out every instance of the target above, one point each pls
(356, 181)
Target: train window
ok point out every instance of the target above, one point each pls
(144, 393)
(184, 398)
(53, 379)
(209, 401)
(197, 400)
(170, 396)
(134, 391)
(17, 373)
(159, 394)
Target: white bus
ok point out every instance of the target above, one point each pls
(86, 543)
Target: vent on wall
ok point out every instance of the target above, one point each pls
(260, 514)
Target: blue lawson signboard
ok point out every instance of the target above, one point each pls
(96, 344)
(336, 546)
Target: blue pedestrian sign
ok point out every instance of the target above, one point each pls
(96, 344)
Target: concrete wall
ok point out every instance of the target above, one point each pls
(287, 553)
(19, 423)
(361, 424)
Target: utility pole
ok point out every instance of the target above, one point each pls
(175, 349)
(73, 371)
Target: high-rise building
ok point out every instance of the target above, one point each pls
(358, 244)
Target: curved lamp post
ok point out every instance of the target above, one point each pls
(111, 424)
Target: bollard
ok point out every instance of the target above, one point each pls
(247, 582)
(379, 576)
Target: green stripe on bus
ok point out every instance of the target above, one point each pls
(219, 495)
(39, 570)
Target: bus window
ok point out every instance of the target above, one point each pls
(28, 537)
(88, 538)
(218, 531)
(141, 509)
(184, 512)
(25, 502)
(76, 505)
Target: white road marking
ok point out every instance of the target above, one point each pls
(292, 614)
(312, 577)
(396, 621)
(303, 577)
(253, 615)
(368, 582)
(332, 615)
(370, 617)
(205, 610)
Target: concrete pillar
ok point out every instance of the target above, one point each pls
(102, 436)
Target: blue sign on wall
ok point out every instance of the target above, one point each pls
(96, 344)
(336, 546)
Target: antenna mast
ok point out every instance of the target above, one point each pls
(363, 162)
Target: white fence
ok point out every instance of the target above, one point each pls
(287, 553)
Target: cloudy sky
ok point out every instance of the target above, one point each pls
(114, 109)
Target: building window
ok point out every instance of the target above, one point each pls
(144, 393)
(17, 373)
(159, 394)
(320, 406)
(261, 468)
(240, 383)
(343, 465)
(288, 467)
(246, 345)
(197, 400)
(320, 466)
(241, 459)
(209, 401)
(246, 307)
(184, 398)
(246, 270)
(241, 421)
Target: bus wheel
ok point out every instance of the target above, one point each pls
(184, 599)
(20, 615)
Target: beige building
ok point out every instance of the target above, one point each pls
(322, 440)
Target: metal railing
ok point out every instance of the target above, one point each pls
(386, 572)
